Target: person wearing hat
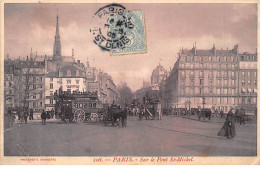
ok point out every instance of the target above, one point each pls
(228, 129)
(43, 116)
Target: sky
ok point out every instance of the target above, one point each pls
(168, 27)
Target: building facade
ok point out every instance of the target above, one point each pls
(159, 74)
(248, 82)
(205, 78)
(9, 93)
(28, 83)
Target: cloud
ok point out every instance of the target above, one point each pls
(168, 27)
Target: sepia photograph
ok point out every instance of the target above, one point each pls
(163, 82)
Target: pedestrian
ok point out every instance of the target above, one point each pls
(43, 116)
(228, 129)
(124, 117)
(52, 113)
(19, 113)
(9, 117)
(221, 113)
(159, 110)
(141, 112)
(241, 115)
(31, 115)
(216, 113)
(25, 116)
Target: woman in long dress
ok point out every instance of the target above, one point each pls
(228, 130)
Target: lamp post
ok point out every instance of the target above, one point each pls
(203, 102)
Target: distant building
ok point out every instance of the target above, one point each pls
(158, 75)
(153, 89)
(102, 83)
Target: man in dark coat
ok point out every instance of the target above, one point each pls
(241, 114)
(221, 113)
(124, 117)
(43, 116)
(26, 114)
(31, 115)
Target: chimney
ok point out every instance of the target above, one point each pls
(214, 50)
(194, 49)
(235, 49)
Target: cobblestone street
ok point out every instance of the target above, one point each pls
(171, 136)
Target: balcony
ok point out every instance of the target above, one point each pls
(225, 77)
(201, 76)
(192, 76)
(218, 77)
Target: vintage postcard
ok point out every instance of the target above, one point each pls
(126, 82)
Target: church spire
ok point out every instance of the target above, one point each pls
(57, 44)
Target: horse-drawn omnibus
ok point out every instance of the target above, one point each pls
(78, 106)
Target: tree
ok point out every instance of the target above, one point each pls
(126, 94)
(28, 78)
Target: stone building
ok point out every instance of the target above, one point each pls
(9, 93)
(158, 75)
(206, 78)
(29, 86)
(248, 82)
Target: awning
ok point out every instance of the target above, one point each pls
(243, 90)
(249, 90)
(255, 90)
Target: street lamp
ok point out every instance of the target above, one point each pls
(203, 102)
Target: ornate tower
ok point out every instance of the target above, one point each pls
(57, 44)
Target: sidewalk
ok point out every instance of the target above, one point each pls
(53, 120)
(213, 119)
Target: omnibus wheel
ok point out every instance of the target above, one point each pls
(94, 117)
(79, 116)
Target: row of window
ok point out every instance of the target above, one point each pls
(218, 91)
(85, 105)
(36, 104)
(210, 82)
(210, 58)
(69, 73)
(200, 90)
(248, 100)
(34, 96)
(207, 66)
(249, 83)
(211, 74)
(219, 58)
(248, 73)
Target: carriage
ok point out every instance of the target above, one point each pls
(151, 106)
(112, 115)
(78, 106)
(205, 113)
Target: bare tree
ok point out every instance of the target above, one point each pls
(26, 81)
(127, 96)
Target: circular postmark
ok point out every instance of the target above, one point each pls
(109, 26)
